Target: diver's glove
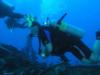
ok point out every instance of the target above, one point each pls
(29, 20)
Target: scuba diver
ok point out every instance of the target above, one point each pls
(60, 41)
(63, 40)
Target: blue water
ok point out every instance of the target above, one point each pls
(84, 14)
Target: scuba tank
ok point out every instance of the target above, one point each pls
(69, 29)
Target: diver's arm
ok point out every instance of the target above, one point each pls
(47, 45)
(43, 36)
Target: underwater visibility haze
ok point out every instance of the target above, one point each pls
(81, 14)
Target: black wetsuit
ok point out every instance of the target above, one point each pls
(41, 34)
(63, 42)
